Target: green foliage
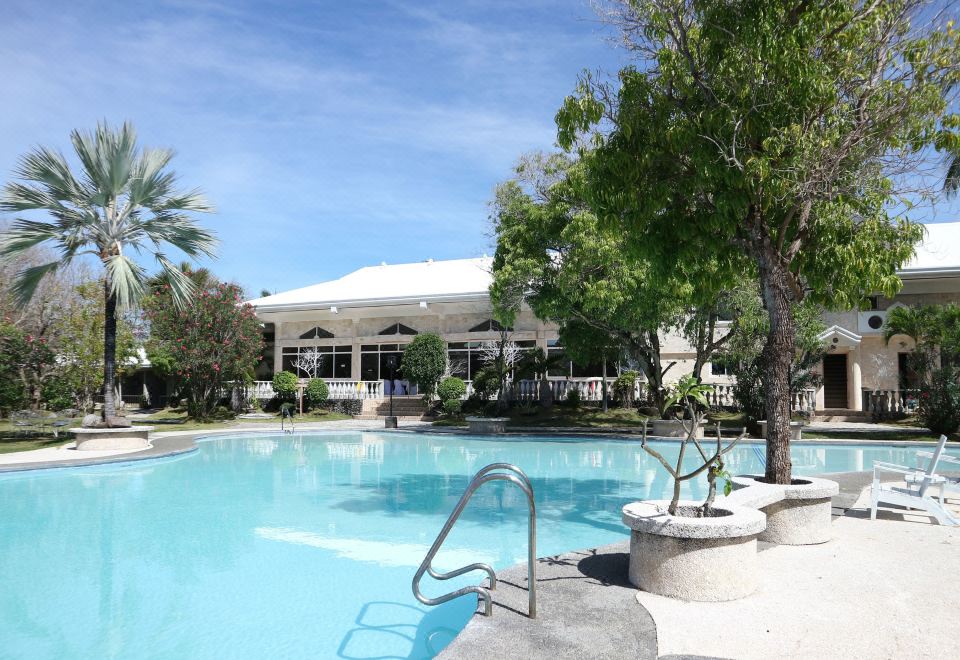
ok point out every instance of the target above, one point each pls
(555, 252)
(452, 407)
(125, 201)
(485, 383)
(574, 398)
(317, 392)
(81, 345)
(451, 389)
(770, 138)
(690, 392)
(625, 386)
(58, 394)
(939, 408)
(744, 350)
(27, 364)
(212, 341)
(285, 384)
(424, 362)
(934, 328)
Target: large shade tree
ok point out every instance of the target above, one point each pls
(781, 138)
(123, 201)
(554, 253)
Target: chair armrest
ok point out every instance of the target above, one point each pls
(891, 467)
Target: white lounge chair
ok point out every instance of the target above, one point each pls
(949, 485)
(915, 493)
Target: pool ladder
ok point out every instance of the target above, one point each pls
(493, 472)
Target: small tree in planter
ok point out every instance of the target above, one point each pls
(691, 396)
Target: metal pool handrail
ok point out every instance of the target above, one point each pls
(492, 472)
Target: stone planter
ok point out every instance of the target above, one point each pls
(796, 429)
(671, 428)
(128, 437)
(798, 514)
(487, 425)
(699, 559)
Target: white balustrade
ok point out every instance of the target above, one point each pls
(340, 388)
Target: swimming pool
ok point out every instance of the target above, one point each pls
(305, 545)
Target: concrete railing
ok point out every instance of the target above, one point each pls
(340, 388)
(890, 402)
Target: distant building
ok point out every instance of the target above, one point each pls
(366, 317)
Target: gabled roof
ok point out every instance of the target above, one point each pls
(426, 281)
(843, 336)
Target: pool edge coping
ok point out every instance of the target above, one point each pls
(184, 442)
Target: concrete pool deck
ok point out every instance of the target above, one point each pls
(883, 588)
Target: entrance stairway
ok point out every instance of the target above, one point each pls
(409, 408)
(840, 415)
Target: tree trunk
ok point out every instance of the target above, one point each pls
(778, 355)
(109, 351)
(604, 382)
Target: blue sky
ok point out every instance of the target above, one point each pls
(330, 135)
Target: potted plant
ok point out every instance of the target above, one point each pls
(670, 423)
(694, 550)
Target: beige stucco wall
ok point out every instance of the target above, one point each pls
(872, 363)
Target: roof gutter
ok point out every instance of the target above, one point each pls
(371, 302)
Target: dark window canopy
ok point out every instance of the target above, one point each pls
(317, 333)
(490, 325)
(398, 329)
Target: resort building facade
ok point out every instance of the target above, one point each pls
(361, 322)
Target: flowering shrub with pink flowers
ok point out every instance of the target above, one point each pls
(212, 341)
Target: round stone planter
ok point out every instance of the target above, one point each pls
(699, 559)
(796, 429)
(487, 425)
(671, 428)
(802, 516)
(128, 437)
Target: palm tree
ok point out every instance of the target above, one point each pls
(124, 200)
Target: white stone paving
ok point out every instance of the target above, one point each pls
(887, 588)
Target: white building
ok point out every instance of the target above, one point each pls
(366, 317)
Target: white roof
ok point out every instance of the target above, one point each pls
(469, 279)
(939, 252)
(451, 280)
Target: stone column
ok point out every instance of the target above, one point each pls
(854, 380)
(355, 353)
(277, 348)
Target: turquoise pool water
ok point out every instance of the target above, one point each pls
(302, 546)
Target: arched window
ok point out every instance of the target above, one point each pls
(398, 329)
(490, 325)
(317, 333)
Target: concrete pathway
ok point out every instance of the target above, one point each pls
(888, 588)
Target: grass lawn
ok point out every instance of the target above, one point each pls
(565, 417)
(176, 419)
(172, 419)
(12, 439)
